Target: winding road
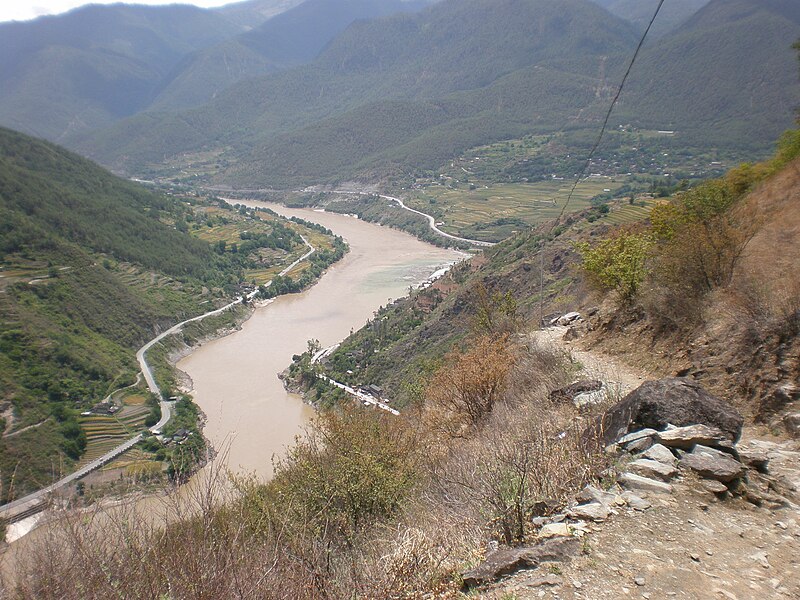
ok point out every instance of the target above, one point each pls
(34, 502)
(430, 219)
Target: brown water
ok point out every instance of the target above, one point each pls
(235, 378)
(250, 415)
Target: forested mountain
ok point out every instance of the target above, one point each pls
(86, 68)
(410, 91)
(289, 39)
(251, 13)
(402, 75)
(728, 75)
(639, 12)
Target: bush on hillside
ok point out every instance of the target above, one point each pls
(467, 387)
(618, 262)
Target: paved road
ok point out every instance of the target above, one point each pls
(32, 500)
(430, 219)
(365, 398)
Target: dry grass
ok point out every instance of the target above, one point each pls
(415, 532)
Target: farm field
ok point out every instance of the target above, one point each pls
(103, 433)
(106, 432)
(495, 211)
(623, 213)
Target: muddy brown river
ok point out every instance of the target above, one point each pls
(250, 416)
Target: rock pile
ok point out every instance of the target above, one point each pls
(657, 444)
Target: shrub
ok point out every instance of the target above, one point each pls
(618, 262)
(470, 383)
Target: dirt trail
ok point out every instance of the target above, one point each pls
(688, 544)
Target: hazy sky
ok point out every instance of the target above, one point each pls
(21, 10)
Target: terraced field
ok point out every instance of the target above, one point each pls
(106, 432)
(136, 462)
(464, 211)
(103, 433)
(629, 213)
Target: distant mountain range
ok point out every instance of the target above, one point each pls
(639, 12)
(338, 89)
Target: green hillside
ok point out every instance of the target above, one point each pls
(291, 38)
(410, 92)
(91, 267)
(63, 74)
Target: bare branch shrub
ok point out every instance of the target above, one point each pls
(470, 383)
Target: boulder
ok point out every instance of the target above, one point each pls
(567, 394)
(690, 436)
(594, 494)
(632, 481)
(792, 424)
(720, 467)
(653, 469)
(594, 511)
(509, 560)
(660, 453)
(673, 400)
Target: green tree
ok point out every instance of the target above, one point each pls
(618, 262)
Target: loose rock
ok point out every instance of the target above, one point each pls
(567, 394)
(637, 482)
(660, 453)
(508, 560)
(688, 437)
(635, 502)
(755, 458)
(722, 468)
(554, 530)
(594, 511)
(653, 469)
(637, 435)
(639, 445)
(715, 487)
(594, 494)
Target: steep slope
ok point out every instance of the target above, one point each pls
(639, 12)
(86, 68)
(91, 267)
(251, 13)
(291, 38)
(729, 75)
(454, 46)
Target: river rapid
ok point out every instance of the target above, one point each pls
(250, 416)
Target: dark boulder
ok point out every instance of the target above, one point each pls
(670, 401)
(567, 394)
(509, 560)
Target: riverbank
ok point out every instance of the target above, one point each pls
(235, 379)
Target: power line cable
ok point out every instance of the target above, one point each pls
(591, 153)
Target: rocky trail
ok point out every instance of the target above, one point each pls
(687, 530)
